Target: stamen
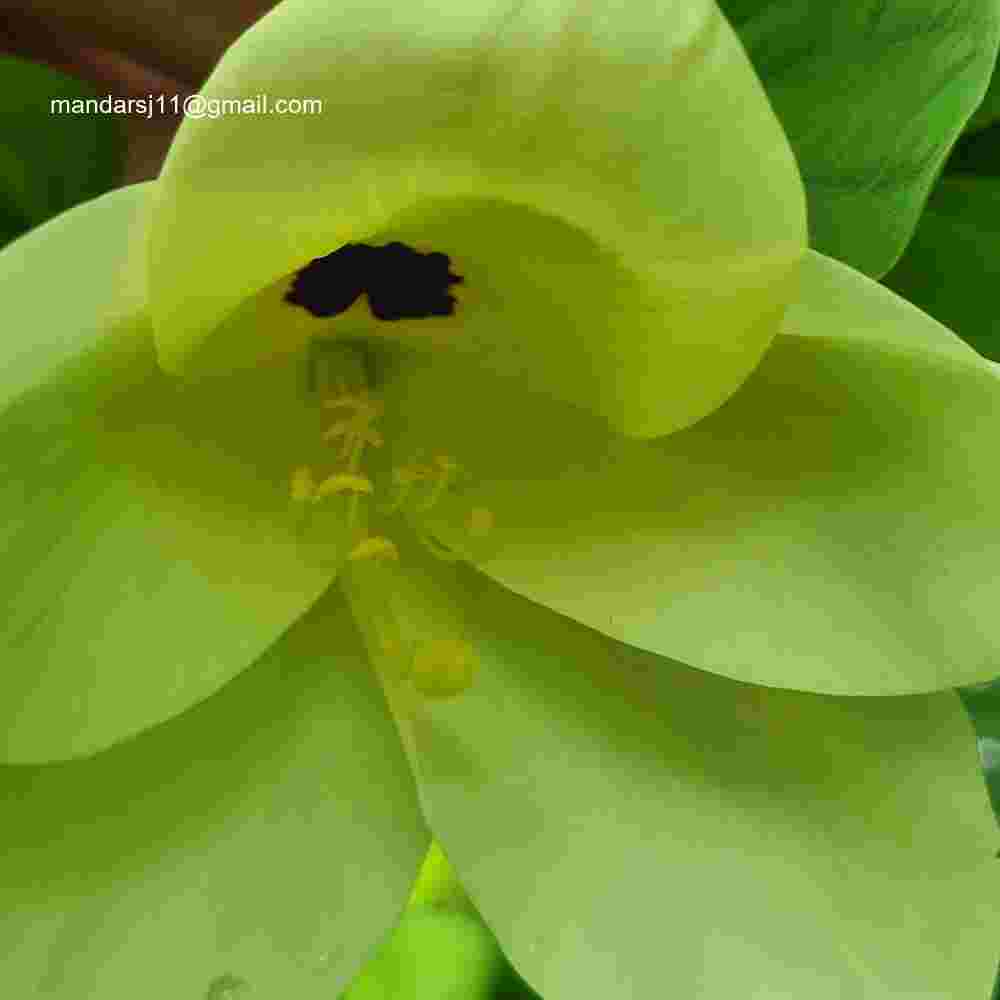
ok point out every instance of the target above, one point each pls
(303, 484)
(337, 370)
(345, 428)
(411, 473)
(342, 482)
(445, 468)
(421, 641)
(374, 547)
(356, 438)
(403, 479)
(440, 473)
(361, 403)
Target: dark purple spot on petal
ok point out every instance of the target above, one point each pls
(400, 282)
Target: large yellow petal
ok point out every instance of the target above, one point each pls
(631, 827)
(148, 552)
(832, 528)
(610, 183)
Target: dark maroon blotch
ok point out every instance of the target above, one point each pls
(400, 282)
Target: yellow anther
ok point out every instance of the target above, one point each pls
(411, 473)
(403, 478)
(363, 404)
(446, 464)
(356, 429)
(339, 428)
(354, 434)
(342, 482)
(479, 522)
(443, 668)
(444, 471)
(303, 484)
(374, 547)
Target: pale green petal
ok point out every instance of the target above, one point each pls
(268, 838)
(148, 554)
(610, 183)
(832, 528)
(631, 827)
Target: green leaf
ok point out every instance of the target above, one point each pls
(437, 884)
(832, 528)
(12, 223)
(983, 705)
(615, 192)
(149, 554)
(982, 702)
(679, 831)
(265, 839)
(976, 153)
(951, 267)
(871, 97)
(988, 111)
(49, 162)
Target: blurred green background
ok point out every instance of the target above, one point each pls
(49, 163)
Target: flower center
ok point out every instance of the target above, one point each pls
(420, 642)
(400, 282)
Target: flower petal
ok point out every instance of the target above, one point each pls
(266, 838)
(621, 820)
(148, 552)
(612, 187)
(832, 528)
